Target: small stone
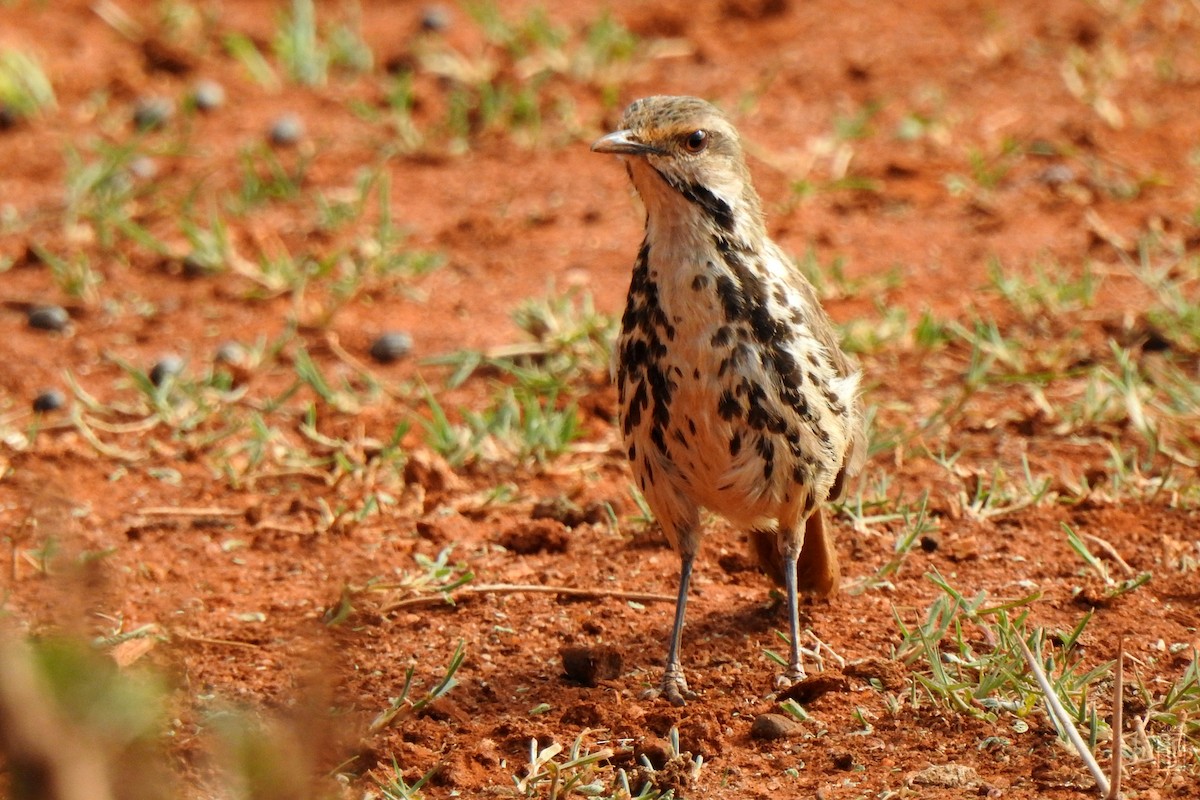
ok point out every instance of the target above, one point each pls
(49, 400)
(286, 131)
(391, 346)
(151, 113)
(773, 726)
(208, 95)
(950, 776)
(167, 367)
(590, 665)
(143, 168)
(49, 318)
(1057, 175)
(230, 353)
(435, 18)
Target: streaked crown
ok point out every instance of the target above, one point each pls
(695, 150)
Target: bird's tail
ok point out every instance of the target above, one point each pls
(817, 570)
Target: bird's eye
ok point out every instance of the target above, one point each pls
(696, 141)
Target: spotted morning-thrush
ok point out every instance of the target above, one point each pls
(735, 394)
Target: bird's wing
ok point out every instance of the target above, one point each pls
(825, 333)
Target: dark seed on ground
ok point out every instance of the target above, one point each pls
(590, 665)
(435, 17)
(208, 95)
(391, 347)
(49, 318)
(286, 130)
(167, 367)
(150, 113)
(49, 400)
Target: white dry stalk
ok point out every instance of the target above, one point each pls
(1118, 720)
(1111, 551)
(1108, 790)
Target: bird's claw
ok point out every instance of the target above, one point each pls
(673, 688)
(795, 673)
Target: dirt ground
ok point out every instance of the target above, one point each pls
(259, 539)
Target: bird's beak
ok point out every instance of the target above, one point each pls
(622, 143)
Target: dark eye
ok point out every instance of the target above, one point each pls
(696, 141)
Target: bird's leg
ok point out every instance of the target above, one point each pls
(674, 686)
(795, 670)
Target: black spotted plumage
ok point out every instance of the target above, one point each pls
(734, 392)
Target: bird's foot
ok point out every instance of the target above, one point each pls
(673, 688)
(794, 674)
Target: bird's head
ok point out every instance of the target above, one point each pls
(682, 152)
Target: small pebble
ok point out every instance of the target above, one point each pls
(167, 367)
(150, 113)
(143, 168)
(435, 18)
(230, 353)
(1057, 175)
(773, 726)
(208, 95)
(287, 130)
(49, 400)
(49, 318)
(951, 776)
(391, 347)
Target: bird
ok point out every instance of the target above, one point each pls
(734, 393)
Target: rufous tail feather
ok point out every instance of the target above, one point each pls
(817, 570)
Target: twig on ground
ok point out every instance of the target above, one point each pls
(167, 511)
(513, 588)
(190, 637)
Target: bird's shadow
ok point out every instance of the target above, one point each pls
(721, 629)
